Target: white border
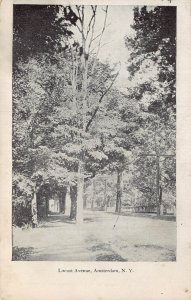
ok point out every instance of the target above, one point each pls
(41, 280)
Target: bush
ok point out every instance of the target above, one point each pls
(21, 204)
(21, 214)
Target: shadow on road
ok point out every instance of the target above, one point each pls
(56, 219)
(146, 215)
(22, 253)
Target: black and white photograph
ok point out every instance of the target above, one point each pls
(94, 133)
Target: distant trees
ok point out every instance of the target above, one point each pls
(117, 143)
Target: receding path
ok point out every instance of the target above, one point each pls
(133, 239)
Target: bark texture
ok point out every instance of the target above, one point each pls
(73, 197)
(63, 200)
(34, 210)
(79, 211)
(119, 191)
(84, 195)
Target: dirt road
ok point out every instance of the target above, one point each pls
(133, 239)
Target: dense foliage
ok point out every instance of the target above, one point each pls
(71, 124)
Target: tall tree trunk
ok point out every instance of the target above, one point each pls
(119, 191)
(34, 210)
(160, 202)
(105, 194)
(93, 194)
(73, 197)
(174, 207)
(158, 185)
(79, 212)
(47, 207)
(63, 200)
(84, 196)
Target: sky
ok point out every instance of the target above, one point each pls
(113, 48)
(119, 19)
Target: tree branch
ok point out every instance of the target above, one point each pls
(101, 35)
(100, 100)
(92, 19)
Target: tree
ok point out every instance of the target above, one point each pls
(157, 148)
(36, 91)
(50, 99)
(34, 88)
(153, 49)
(117, 123)
(152, 73)
(84, 63)
(30, 34)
